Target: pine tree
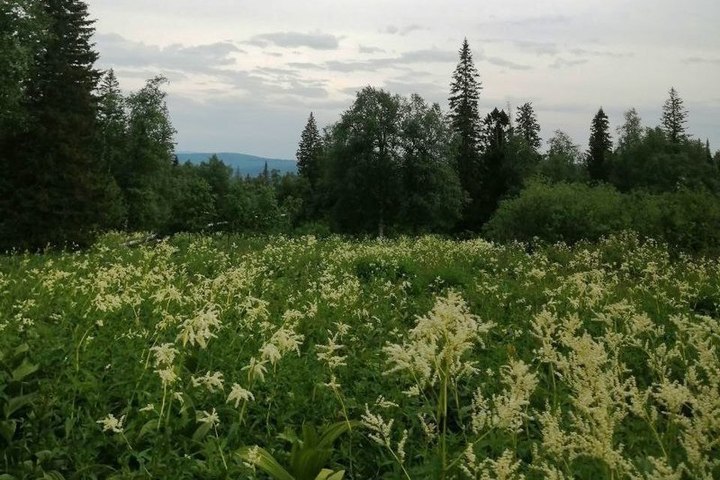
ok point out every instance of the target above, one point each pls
(59, 192)
(674, 118)
(527, 126)
(465, 121)
(600, 147)
(309, 151)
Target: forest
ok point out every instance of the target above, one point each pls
(79, 157)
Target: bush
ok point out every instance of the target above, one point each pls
(569, 212)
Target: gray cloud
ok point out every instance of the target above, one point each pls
(121, 52)
(316, 41)
(538, 48)
(501, 62)
(701, 60)
(582, 52)
(402, 31)
(405, 58)
(563, 63)
(368, 49)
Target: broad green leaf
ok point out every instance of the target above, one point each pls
(16, 403)
(262, 459)
(332, 432)
(326, 474)
(201, 431)
(150, 425)
(26, 368)
(20, 349)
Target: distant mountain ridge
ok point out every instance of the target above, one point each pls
(246, 164)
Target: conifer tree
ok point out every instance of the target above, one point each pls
(59, 192)
(600, 147)
(309, 151)
(674, 118)
(112, 124)
(528, 127)
(465, 121)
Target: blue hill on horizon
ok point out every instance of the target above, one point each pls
(240, 162)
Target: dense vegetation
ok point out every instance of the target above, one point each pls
(205, 356)
(78, 157)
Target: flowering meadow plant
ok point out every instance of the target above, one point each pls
(200, 356)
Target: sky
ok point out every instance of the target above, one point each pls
(245, 74)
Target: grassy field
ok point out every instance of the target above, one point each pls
(225, 357)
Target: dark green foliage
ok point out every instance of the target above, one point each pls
(432, 197)
(145, 176)
(527, 126)
(494, 161)
(653, 162)
(309, 152)
(57, 192)
(674, 118)
(388, 166)
(687, 220)
(562, 163)
(600, 147)
(465, 120)
(366, 160)
(562, 212)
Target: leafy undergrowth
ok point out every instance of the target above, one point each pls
(226, 357)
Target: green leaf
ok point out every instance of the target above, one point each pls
(150, 425)
(16, 403)
(20, 349)
(201, 431)
(262, 459)
(7, 430)
(326, 474)
(26, 368)
(332, 432)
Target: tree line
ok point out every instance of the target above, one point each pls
(78, 157)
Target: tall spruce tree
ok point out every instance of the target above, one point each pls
(309, 151)
(465, 121)
(527, 126)
(674, 118)
(112, 125)
(59, 192)
(600, 147)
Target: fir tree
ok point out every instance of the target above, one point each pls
(465, 120)
(112, 124)
(600, 147)
(309, 151)
(674, 118)
(59, 192)
(527, 126)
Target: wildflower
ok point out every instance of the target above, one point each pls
(211, 418)
(212, 381)
(198, 330)
(164, 354)
(327, 353)
(238, 394)
(110, 423)
(255, 369)
(167, 375)
(148, 408)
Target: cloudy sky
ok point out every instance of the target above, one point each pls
(244, 74)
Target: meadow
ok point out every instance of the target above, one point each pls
(225, 357)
